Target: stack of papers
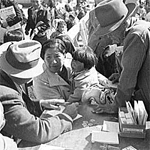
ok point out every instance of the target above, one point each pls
(108, 133)
(105, 137)
(49, 147)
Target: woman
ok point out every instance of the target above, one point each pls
(54, 82)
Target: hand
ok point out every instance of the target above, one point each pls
(114, 77)
(109, 50)
(72, 110)
(4, 24)
(35, 31)
(52, 103)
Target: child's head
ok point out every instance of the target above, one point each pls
(13, 35)
(2, 119)
(36, 3)
(53, 52)
(83, 59)
(62, 26)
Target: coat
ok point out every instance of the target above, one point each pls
(135, 76)
(21, 123)
(42, 15)
(82, 82)
(49, 85)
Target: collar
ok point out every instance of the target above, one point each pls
(54, 79)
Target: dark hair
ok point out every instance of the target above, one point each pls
(68, 42)
(53, 43)
(61, 22)
(85, 55)
(13, 35)
(7, 3)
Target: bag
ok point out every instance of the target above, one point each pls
(102, 98)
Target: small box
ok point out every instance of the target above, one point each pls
(130, 130)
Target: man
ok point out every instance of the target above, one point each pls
(116, 21)
(19, 63)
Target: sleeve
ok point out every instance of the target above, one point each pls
(21, 124)
(27, 27)
(132, 60)
(46, 20)
(18, 18)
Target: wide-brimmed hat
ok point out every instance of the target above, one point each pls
(21, 59)
(111, 14)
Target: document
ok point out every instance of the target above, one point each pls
(9, 12)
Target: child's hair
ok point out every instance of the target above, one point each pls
(51, 44)
(13, 35)
(61, 22)
(70, 48)
(86, 56)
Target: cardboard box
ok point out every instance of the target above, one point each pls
(130, 130)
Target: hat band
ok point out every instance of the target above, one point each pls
(11, 59)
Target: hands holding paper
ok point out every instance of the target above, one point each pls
(54, 104)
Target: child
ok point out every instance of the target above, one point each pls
(89, 85)
(60, 27)
(5, 142)
(85, 74)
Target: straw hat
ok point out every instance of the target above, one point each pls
(111, 13)
(21, 59)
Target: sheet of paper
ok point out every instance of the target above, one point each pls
(111, 126)
(7, 12)
(55, 112)
(49, 147)
(105, 137)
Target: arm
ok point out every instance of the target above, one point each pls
(132, 59)
(29, 20)
(24, 125)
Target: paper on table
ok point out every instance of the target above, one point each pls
(111, 126)
(105, 137)
(49, 147)
(142, 113)
(55, 112)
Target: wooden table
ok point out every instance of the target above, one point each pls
(80, 137)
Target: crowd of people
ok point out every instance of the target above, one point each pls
(36, 74)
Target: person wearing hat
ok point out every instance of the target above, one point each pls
(115, 19)
(19, 63)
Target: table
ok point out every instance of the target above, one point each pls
(80, 137)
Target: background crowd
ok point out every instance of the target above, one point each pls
(37, 74)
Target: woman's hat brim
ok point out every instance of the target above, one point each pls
(108, 29)
(29, 73)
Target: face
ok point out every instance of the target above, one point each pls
(36, 3)
(54, 60)
(62, 28)
(77, 66)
